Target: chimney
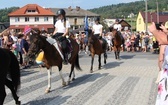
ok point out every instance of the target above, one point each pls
(70, 8)
(77, 8)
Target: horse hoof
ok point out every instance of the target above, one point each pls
(47, 91)
(91, 71)
(18, 103)
(68, 82)
(73, 79)
(64, 84)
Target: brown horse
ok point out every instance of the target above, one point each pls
(52, 56)
(117, 41)
(95, 47)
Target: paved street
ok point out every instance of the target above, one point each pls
(129, 81)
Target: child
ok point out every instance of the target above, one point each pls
(14, 50)
(39, 59)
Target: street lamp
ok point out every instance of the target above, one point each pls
(131, 16)
(146, 15)
(157, 11)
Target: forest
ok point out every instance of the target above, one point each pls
(4, 13)
(123, 10)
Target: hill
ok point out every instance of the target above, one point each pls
(125, 9)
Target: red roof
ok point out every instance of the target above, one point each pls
(152, 17)
(40, 11)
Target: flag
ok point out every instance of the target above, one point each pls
(27, 29)
(86, 26)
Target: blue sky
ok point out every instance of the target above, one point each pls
(85, 4)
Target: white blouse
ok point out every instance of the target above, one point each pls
(97, 28)
(60, 26)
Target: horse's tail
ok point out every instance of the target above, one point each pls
(14, 71)
(77, 66)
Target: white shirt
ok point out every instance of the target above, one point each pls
(117, 26)
(14, 38)
(60, 26)
(97, 28)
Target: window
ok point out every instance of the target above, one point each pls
(26, 19)
(17, 19)
(31, 10)
(75, 21)
(139, 20)
(45, 19)
(36, 19)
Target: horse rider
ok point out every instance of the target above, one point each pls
(61, 30)
(97, 30)
(118, 27)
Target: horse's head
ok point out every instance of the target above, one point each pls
(37, 42)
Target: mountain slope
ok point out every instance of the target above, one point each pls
(124, 9)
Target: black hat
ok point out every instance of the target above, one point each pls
(61, 12)
(97, 19)
(117, 20)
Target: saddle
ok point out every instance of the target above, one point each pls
(57, 45)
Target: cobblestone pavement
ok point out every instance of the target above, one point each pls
(129, 81)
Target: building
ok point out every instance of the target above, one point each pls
(33, 15)
(41, 18)
(152, 17)
(3, 26)
(125, 25)
(76, 16)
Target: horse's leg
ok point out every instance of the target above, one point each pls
(99, 61)
(119, 54)
(8, 83)
(2, 93)
(60, 73)
(91, 69)
(105, 57)
(49, 80)
(73, 75)
(115, 52)
(72, 69)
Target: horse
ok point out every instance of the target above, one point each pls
(9, 75)
(95, 47)
(52, 56)
(117, 41)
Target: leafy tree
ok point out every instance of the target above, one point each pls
(4, 13)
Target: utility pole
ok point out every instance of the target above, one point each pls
(146, 15)
(157, 11)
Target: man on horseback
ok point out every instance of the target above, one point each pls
(97, 30)
(61, 30)
(118, 27)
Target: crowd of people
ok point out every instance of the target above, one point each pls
(133, 41)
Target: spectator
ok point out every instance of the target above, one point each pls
(146, 40)
(20, 35)
(161, 36)
(24, 50)
(14, 50)
(132, 42)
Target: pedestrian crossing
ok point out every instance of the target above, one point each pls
(99, 88)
